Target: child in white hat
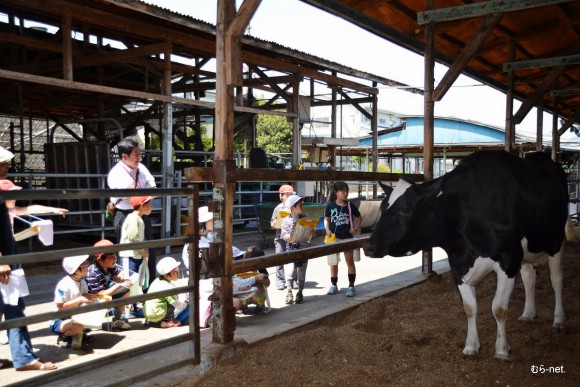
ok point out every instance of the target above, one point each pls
(69, 292)
(168, 311)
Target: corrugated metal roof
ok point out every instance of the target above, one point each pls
(448, 131)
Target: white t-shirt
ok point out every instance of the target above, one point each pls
(68, 289)
(121, 176)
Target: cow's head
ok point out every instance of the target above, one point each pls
(401, 212)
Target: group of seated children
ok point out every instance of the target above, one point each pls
(105, 279)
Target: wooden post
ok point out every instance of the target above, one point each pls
(167, 144)
(297, 143)
(229, 30)
(555, 136)
(509, 109)
(540, 126)
(429, 119)
(375, 131)
(67, 67)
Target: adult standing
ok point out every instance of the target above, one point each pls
(23, 356)
(130, 173)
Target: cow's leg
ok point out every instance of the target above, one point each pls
(555, 265)
(499, 307)
(470, 308)
(528, 273)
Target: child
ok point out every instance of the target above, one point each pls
(285, 192)
(133, 230)
(338, 219)
(260, 296)
(106, 278)
(69, 292)
(288, 224)
(168, 311)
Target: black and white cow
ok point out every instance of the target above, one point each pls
(493, 212)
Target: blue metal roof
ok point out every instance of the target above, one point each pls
(447, 131)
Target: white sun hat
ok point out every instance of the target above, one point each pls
(71, 264)
(5, 155)
(236, 253)
(292, 200)
(204, 214)
(165, 265)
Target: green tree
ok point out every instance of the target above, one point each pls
(273, 133)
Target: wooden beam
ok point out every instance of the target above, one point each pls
(564, 93)
(541, 63)
(538, 94)
(569, 122)
(243, 16)
(480, 9)
(466, 54)
(356, 105)
(199, 175)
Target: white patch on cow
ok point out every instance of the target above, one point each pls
(528, 274)
(398, 191)
(481, 267)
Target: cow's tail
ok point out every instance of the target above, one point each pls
(571, 234)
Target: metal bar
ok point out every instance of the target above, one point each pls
(89, 194)
(51, 255)
(65, 313)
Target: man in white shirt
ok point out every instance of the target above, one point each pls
(130, 173)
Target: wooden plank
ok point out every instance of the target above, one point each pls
(480, 9)
(466, 54)
(200, 174)
(541, 63)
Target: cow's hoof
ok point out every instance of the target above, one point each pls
(503, 356)
(559, 328)
(527, 318)
(467, 353)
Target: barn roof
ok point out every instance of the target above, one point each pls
(448, 131)
(539, 40)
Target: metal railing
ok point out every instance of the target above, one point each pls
(192, 288)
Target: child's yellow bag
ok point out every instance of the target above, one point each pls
(330, 238)
(303, 231)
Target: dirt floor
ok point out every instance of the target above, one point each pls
(415, 337)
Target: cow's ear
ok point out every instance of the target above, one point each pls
(386, 188)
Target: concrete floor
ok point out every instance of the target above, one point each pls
(375, 278)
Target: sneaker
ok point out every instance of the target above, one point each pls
(299, 298)
(121, 325)
(259, 309)
(333, 289)
(289, 298)
(64, 341)
(77, 341)
(351, 292)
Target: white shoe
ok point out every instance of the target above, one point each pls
(3, 338)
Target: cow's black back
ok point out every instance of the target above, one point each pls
(504, 198)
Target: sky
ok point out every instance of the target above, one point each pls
(300, 26)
